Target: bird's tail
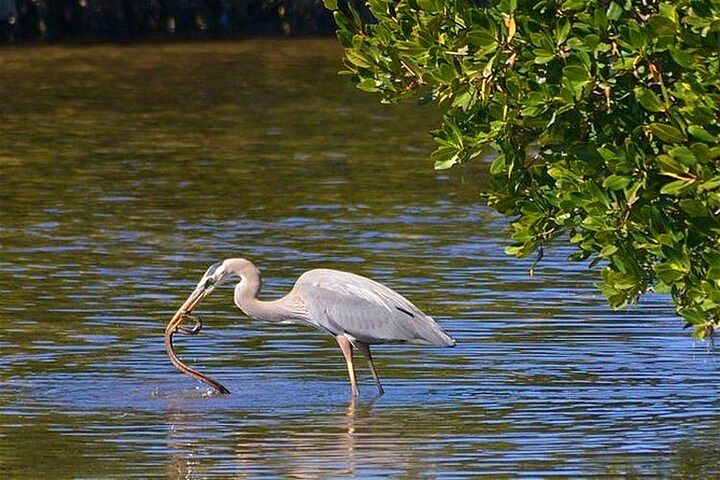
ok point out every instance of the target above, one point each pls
(445, 339)
(435, 335)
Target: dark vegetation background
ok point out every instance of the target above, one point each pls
(22, 20)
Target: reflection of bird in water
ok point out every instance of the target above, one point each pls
(357, 311)
(359, 442)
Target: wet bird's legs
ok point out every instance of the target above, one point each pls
(346, 348)
(365, 351)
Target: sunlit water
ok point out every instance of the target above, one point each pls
(126, 171)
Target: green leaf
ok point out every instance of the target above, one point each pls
(498, 165)
(702, 152)
(671, 167)
(636, 37)
(616, 182)
(428, 5)
(681, 57)
(661, 25)
(481, 38)
(507, 6)
(543, 56)
(576, 73)
(668, 11)
(608, 250)
(701, 134)
(357, 58)
(668, 274)
(377, 6)
(562, 32)
(614, 11)
(444, 165)
(649, 100)
(711, 184)
(600, 19)
(574, 4)
(330, 4)
(368, 85)
(693, 207)
(684, 155)
(464, 100)
(678, 187)
(606, 153)
(667, 133)
(445, 157)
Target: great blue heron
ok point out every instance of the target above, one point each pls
(357, 311)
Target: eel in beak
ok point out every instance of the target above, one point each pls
(183, 313)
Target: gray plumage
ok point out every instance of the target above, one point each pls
(368, 311)
(356, 310)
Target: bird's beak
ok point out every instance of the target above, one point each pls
(195, 297)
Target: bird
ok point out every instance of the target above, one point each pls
(357, 311)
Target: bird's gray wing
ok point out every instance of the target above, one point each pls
(345, 303)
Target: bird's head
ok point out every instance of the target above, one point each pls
(217, 274)
(213, 277)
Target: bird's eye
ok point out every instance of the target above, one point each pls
(209, 282)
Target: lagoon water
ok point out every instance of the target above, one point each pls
(125, 171)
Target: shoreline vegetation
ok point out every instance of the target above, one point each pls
(603, 120)
(85, 21)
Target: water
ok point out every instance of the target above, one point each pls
(126, 171)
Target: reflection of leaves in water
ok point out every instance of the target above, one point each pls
(699, 455)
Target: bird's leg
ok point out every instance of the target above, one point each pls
(346, 348)
(190, 331)
(365, 351)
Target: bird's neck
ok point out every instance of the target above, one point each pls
(246, 293)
